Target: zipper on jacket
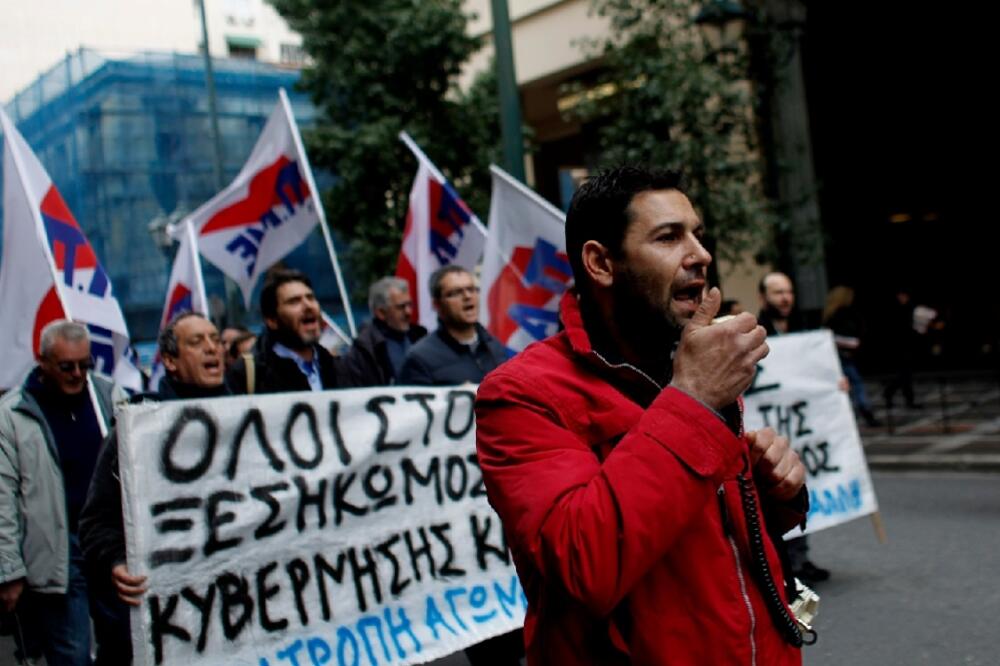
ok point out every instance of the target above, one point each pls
(727, 527)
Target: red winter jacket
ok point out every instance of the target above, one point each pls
(626, 523)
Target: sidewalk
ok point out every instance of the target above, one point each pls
(957, 426)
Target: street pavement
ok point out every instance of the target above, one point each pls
(956, 427)
(929, 595)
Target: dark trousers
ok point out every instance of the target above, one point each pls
(57, 626)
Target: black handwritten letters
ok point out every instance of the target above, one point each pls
(280, 594)
(282, 523)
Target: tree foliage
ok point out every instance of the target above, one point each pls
(376, 68)
(664, 97)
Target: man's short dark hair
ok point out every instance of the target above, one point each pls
(600, 209)
(434, 284)
(167, 341)
(272, 282)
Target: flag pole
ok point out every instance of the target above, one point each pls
(9, 130)
(319, 209)
(199, 279)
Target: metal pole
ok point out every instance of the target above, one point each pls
(213, 113)
(338, 275)
(234, 309)
(510, 103)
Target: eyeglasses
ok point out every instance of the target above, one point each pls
(69, 366)
(461, 291)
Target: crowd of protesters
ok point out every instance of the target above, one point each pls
(613, 451)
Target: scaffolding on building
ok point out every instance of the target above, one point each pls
(126, 140)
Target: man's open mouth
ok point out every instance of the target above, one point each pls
(691, 292)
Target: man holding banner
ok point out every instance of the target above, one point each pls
(641, 517)
(191, 351)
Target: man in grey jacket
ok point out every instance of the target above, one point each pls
(50, 434)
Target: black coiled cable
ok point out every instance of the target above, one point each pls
(783, 620)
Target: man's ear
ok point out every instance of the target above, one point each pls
(170, 363)
(598, 264)
(271, 323)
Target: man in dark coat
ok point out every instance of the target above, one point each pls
(460, 350)
(377, 355)
(288, 356)
(192, 355)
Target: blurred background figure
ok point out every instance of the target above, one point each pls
(905, 336)
(840, 316)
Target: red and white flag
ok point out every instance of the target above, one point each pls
(185, 292)
(440, 230)
(525, 267)
(49, 271)
(265, 213)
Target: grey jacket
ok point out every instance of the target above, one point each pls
(34, 537)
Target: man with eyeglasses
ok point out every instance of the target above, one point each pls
(51, 430)
(192, 353)
(460, 350)
(377, 355)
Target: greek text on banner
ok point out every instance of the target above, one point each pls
(344, 527)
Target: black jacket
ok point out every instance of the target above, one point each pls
(102, 532)
(367, 361)
(274, 374)
(441, 360)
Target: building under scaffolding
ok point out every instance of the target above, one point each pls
(127, 141)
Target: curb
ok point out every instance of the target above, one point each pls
(943, 461)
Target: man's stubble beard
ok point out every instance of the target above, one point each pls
(648, 325)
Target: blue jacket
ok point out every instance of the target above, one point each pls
(440, 360)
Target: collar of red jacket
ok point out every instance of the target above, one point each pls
(572, 319)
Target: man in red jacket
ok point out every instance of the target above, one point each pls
(642, 519)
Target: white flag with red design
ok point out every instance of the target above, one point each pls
(440, 230)
(525, 267)
(265, 213)
(185, 292)
(49, 271)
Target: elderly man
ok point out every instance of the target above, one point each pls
(376, 357)
(51, 429)
(643, 521)
(192, 354)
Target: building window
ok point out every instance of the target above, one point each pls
(242, 47)
(247, 52)
(292, 54)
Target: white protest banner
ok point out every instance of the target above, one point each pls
(796, 392)
(343, 527)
